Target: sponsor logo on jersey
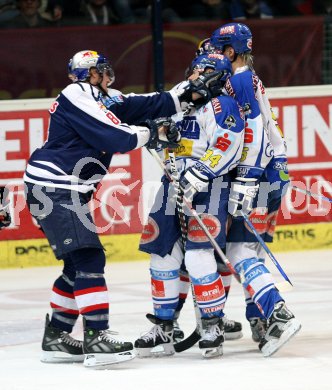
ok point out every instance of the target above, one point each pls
(189, 127)
(213, 309)
(209, 292)
(111, 100)
(162, 275)
(229, 88)
(185, 148)
(262, 221)
(158, 288)
(216, 106)
(223, 143)
(195, 232)
(150, 231)
(280, 165)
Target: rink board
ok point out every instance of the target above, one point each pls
(122, 247)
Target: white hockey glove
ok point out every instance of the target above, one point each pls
(208, 86)
(241, 197)
(163, 133)
(192, 182)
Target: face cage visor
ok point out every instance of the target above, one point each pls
(106, 67)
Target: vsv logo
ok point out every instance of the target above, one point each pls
(189, 127)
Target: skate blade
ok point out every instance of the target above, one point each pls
(291, 329)
(233, 335)
(60, 357)
(209, 353)
(157, 351)
(103, 361)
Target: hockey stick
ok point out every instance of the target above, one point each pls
(195, 215)
(175, 177)
(307, 192)
(284, 286)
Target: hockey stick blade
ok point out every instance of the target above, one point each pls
(189, 342)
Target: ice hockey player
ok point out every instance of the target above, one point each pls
(60, 179)
(211, 145)
(263, 164)
(4, 209)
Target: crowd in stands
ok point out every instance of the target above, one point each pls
(44, 13)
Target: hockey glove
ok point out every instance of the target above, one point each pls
(5, 219)
(192, 182)
(208, 86)
(241, 197)
(163, 133)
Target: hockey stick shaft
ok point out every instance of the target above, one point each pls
(194, 214)
(307, 192)
(265, 247)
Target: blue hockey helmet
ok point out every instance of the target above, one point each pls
(203, 47)
(214, 61)
(79, 65)
(237, 35)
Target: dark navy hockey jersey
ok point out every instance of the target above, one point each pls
(83, 134)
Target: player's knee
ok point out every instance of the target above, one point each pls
(200, 262)
(89, 260)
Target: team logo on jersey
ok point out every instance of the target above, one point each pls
(150, 231)
(230, 121)
(195, 232)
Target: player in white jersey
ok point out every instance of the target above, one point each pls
(263, 163)
(211, 145)
(60, 178)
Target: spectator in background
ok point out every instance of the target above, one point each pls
(250, 9)
(51, 9)
(28, 16)
(8, 10)
(202, 9)
(102, 12)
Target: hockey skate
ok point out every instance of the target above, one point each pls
(102, 350)
(282, 326)
(212, 337)
(258, 328)
(178, 334)
(59, 347)
(232, 329)
(158, 341)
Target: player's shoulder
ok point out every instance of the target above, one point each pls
(74, 90)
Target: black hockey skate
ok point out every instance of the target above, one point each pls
(212, 337)
(178, 334)
(158, 341)
(258, 328)
(282, 326)
(59, 347)
(232, 329)
(102, 350)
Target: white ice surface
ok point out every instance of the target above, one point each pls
(303, 364)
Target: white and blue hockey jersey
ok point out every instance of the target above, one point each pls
(83, 134)
(212, 137)
(263, 138)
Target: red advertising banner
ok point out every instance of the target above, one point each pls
(307, 125)
(287, 51)
(115, 207)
